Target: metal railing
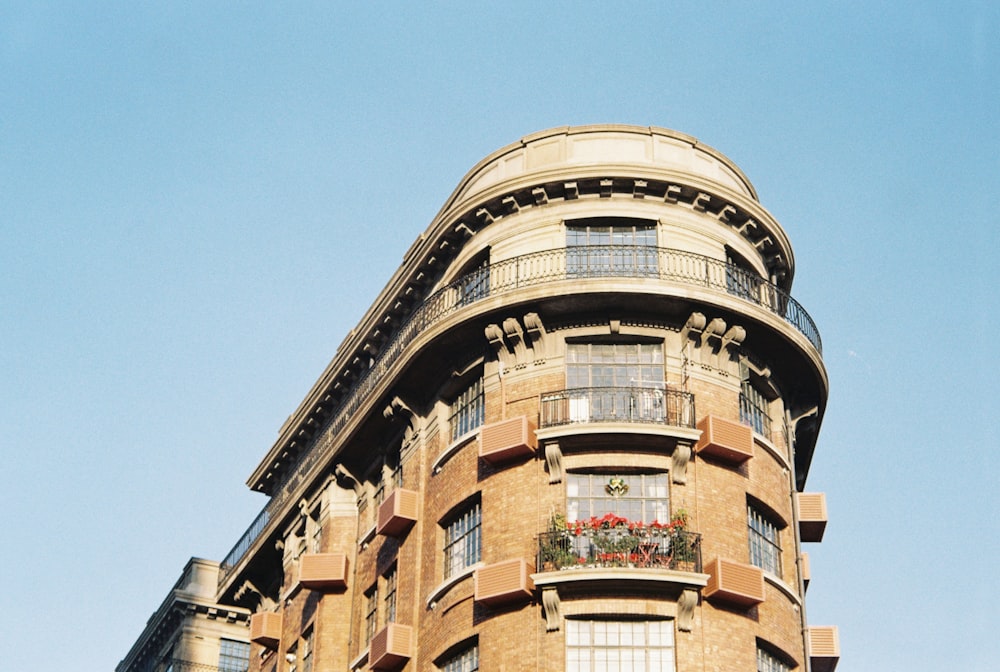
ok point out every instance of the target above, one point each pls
(564, 550)
(651, 405)
(572, 263)
(243, 545)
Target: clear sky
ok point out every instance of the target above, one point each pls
(199, 200)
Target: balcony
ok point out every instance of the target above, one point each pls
(397, 513)
(631, 405)
(735, 583)
(265, 629)
(504, 583)
(812, 515)
(507, 440)
(617, 547)
(323, 571)
(724, 440)
(391, 647)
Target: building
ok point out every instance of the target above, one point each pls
(572, 433)
(190, 632)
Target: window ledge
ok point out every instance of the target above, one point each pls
(367, 537)
(771, 448)
(449, 583)
(453, 448)
(358, 662)
(783, 587)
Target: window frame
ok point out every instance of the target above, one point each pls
(463, 541)
(391, 582)
(770, 660)
(764, 538)
(591, 643)
(646, 480)
(465, 660)
(371, 613)
(467, 412)
(228, 652)
(612, 246)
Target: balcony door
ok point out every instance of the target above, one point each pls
(611, 246)
(615, 382)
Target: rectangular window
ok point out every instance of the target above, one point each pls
(765, 551)
(611, 247)
(468, 410)
(307, 650)
(741, 281)
(638, 497)
(619, 646)
(371, 612)
(475, 284)
(753, 405)
(465, 661)
(390, 595)
(463, 541)
(767, 662)
(234, 656)
(615, 382)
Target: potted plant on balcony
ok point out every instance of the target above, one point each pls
(556, 548)
(683, 549)
(615, 542)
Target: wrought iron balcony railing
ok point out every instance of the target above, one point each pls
(616, 547)
(649, 405)
(537, 268)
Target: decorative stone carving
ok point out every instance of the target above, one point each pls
(679, 461)
(686, 603)
(693, 327)
(251, 597)
(540, 343)
(554, 462)
(551, 609)
(494, 334)
(515, 336)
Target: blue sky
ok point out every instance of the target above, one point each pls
(199, 200)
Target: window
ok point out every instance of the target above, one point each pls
(234, 656)
(741, 280)
(753, 404)
(765, 551)
(638, 497)
(292, 658)
(468, 410)
(314, 530)
(371, 612)
(768, 662)
(619, 646)
(390, 595)
(463, 541)
(389, 479)
(615, 381)
(611, 246)
(464, 661)
(307, 650)
(475, 282)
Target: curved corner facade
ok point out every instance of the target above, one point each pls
(572, 433)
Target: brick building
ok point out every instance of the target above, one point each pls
(572, 433)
